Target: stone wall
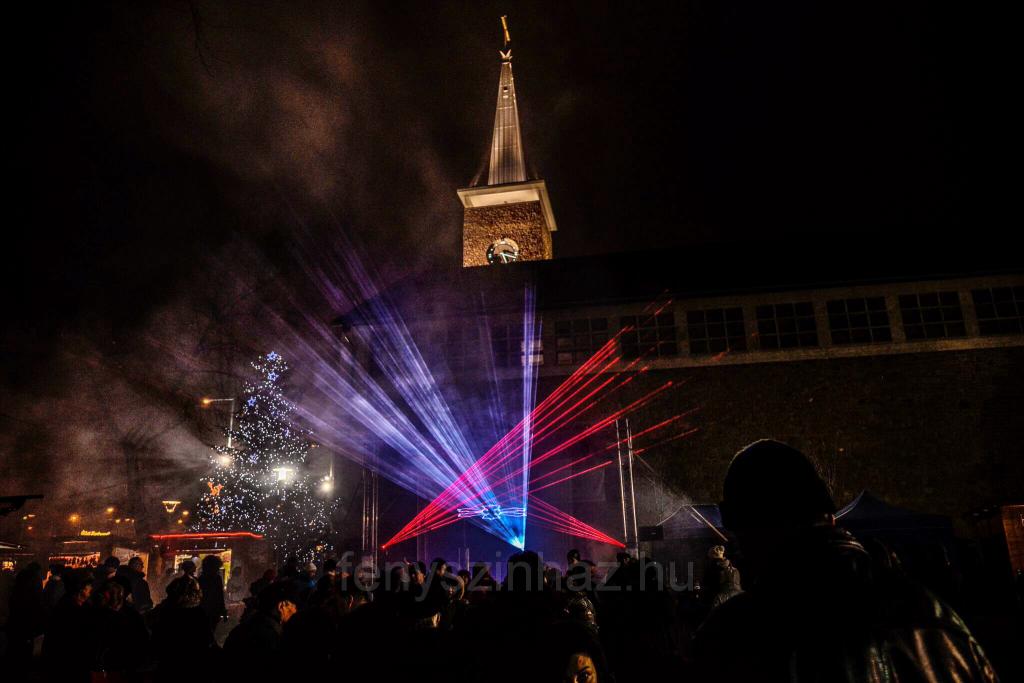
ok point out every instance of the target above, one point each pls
(522, 222)
(935, 432)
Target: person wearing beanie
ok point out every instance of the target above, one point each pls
(816, 608)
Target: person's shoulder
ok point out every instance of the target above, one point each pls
(739, 613)
(741, 606)
(902, 602)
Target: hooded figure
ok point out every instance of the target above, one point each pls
(836, 617)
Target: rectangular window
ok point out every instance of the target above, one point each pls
(787, 326)
(932, 315)
(716, 330)
(577, 340)
(511, 350)
(859, 321)
(1000, 310)
(650, 335)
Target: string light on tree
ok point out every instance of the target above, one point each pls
(263, 484)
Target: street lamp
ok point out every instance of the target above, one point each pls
(207, 402)
(327, 483)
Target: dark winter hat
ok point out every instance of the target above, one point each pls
(771, 484)
(273, 595)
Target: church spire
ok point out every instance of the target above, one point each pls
(510, 218)
(507, 165)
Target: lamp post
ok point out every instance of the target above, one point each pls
(207, 402)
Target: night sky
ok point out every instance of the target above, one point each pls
(152, 143)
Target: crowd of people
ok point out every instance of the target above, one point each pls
(817, 606)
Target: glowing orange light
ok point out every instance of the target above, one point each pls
(206, 401)
(110, 510)
(74, 518)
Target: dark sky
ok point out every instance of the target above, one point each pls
(144, 139)
(144, 135)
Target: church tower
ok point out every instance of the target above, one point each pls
(509, 218)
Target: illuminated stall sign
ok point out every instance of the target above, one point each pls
(76, 561)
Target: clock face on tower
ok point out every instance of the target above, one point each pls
(502, 251)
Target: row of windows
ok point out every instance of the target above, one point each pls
(577, 340)
(862, 320)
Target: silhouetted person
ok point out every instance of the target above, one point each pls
(66, 653)
(26, 616)
(141, 598)
(253, 647)
(572, 558)
(290, 569)
(721, 579)
(331, 567)
(211, 582)
(109, 568)
(236, 586)
(570, 652)
(619, 576)
(302, 585)
(117, 638)
(54, 590)
(310, 636)
(816, 610)
(257, 586)
(181, 631)
(187, 568)
(481, 582)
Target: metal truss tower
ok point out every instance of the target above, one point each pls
(627, 492)
(371, 515)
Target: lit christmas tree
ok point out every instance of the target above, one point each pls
(263, 484)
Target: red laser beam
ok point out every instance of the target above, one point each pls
(474, 481)
(548, 454)
(572, 476)
(536, 416)
(415, 527)
(506, 447)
